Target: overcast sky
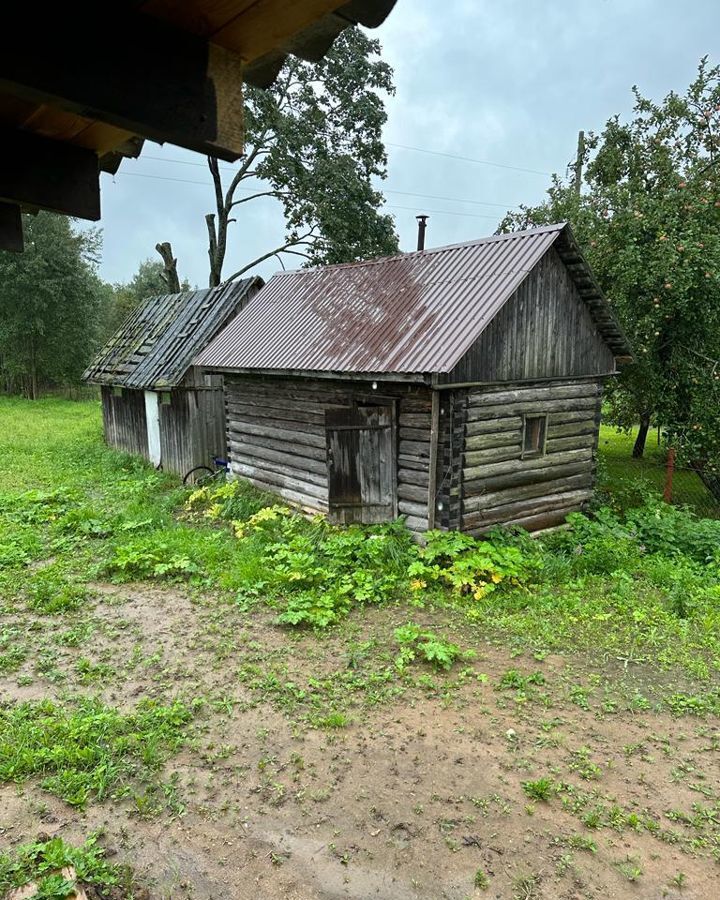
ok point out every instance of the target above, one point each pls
(506, 83)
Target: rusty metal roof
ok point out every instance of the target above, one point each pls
(156, 345)
(412, 313)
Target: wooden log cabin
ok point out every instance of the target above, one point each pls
(155, 402)
(459, 387)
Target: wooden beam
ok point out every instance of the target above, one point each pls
(11, 233)
(133, 72)
(38, 172)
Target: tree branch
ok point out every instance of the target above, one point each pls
(284, 249)
(254, 197)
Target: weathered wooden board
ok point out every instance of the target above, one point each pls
(544, 330)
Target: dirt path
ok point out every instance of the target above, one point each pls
(418, 788)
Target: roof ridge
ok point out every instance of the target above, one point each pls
(383, 260)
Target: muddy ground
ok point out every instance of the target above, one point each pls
(314, 770)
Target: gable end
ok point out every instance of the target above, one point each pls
(544, 330)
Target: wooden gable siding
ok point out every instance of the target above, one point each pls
(544, 330)
(484, 480)
(124, 421)
(277, 439)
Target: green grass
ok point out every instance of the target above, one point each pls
(628, 481)
(87, 750)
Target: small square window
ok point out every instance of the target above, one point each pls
(165, 398)
(534, 428)
(117, 392)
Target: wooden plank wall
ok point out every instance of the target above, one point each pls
(498, 486)
(545, 330)
(124, 421)
(276, 437)
(192, 425)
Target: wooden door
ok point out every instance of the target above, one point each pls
(361, 464)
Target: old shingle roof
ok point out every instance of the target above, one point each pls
(412, 313)
(156, 345)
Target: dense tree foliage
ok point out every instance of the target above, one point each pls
(648, 219)
(314, 141)
(52, 305)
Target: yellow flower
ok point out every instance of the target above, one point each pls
(417, 584)
(496, 579)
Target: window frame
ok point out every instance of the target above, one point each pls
(539, 451)
(165, 398)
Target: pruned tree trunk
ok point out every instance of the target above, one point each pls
(641, 438)
(171, 277)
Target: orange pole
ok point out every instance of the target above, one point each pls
(670, 469)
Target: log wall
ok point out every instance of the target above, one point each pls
(484, 455)
(276, 437)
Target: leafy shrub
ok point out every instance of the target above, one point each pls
(231, 501)
(468, 565)
(43, 861)
(609, 542)
(320, 571)
(428, 646)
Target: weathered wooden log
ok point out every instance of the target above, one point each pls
(276, 432)
(277, 480)
(414, 434)
(303, 451)
(416, 463)
(280, 470)
(413, 420)
(288, 444)
(407, 508)
(412, 492)
(303, 419)
(567, 418)
(420, 449)
(501, 387)
(492, 455)
(488, 499)
(413, 476)
(418, 524)
(488, 471)
(535, 522)
(493, 440)
(494, 426)
(534, 394)
(483, 413)
(582, 426)
(524, 476)
(509, 511)
(554, 445)
(289, 458)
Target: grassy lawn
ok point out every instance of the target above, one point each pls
(628, 481)
(204, 695)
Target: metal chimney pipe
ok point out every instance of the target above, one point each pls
(422, 225)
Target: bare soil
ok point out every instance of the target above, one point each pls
(419, 788)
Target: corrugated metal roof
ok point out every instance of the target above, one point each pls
(156, 345)
(413, 313)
